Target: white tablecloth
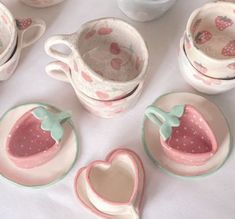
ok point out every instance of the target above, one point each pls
(166, 197)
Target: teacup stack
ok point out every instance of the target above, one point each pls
(207, 50)
(106, 67)
(12, 39)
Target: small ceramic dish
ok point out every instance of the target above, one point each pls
(39, 173)
(210, 34)
(8, 32)
(41, 3)
(199, 81)
(23, 41)
(185, 134)
(215, 119)
(122, 170)
(104, 109)
(108, 59)
(145, 10)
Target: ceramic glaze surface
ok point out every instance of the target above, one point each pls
(41, 3)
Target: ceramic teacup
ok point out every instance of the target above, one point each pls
(41, 3)
(198, 80)
(210, 40)
(8, 37)
(145, 10)
(108, 58)
(104, 109)
(186, 137)
(23, 26)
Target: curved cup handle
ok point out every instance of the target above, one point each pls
(27, 25)
(69, 40)
(59, 71)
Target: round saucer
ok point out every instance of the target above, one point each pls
(215, 119)
(47, 173)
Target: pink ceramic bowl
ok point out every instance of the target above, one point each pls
(210, 40)
(41, 3)
(185, 134)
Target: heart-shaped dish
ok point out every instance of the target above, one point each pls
(115, 201)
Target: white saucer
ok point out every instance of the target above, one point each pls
(48, 173)
(215, 119)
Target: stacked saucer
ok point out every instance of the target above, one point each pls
(207, 50)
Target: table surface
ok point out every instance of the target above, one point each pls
(166, 197)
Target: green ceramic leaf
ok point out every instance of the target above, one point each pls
(177, 111)
(40, 112)
(165, 131)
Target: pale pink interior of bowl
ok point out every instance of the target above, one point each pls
(113, 49)
(115, 183)
(213, 31)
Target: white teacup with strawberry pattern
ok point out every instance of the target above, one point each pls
(210, 40)
(108, 58)
(186, 136)
(24, 26)
(41, 3)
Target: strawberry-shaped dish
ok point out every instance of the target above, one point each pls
(38, 144)
(191, 138)
(185, 135)
(35, 138)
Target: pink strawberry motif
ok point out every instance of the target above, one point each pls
(207, 80)
(116, 63)
(229, 49)
(231, 66)
(86, 77)
(196, 25)
(35, 138)
(90, 34)
(223, 22)
(203, 37)
(202, 69)
(105, 31)
(23, 24)
(101, 95)
(186, 137)
(115, 49)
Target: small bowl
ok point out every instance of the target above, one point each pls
(198, 80)
(108, 59)
(113, 187)
(145, 10)
(210, 39)
(41, 3)
(8, 36)
(105, 109)
(186, 137)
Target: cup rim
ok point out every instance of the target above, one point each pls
(189, 32)
(13, 35)
(144, 70)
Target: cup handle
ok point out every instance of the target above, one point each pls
(59, 71)
(28, 24)
(69, 40)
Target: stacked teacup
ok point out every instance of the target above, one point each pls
(12, 39)
(106, 67)
(207, 49)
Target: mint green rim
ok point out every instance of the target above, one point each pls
(163, 169)
(63, 175)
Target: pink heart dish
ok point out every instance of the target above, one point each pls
(192, 137)
(35, 138)
(112, 188)
(185, 134)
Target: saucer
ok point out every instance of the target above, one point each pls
(81, 192)
(215, 119)
(45, 174)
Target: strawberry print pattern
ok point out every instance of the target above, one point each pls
(202, 69)
(90, 34)
(231, 66)
(86, 77)
(23, 24)
(206, 80)
(115, 49)
(105, 31)
(203, 37)
(223, 22)
(101, 95)
(229, 49)
(116, 63)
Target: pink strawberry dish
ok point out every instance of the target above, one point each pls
(35, 138)
(186, 137)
